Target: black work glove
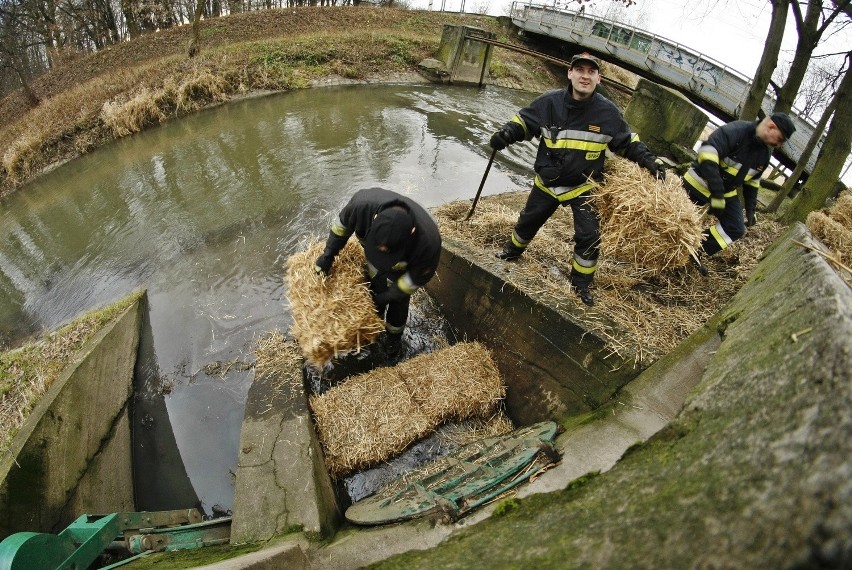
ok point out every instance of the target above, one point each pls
(392, 294)
(323, 264)
(750, 219)
(717, 206)
(500, 140)
(656, 169)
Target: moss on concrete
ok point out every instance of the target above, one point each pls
(191, 558)
(753, 473)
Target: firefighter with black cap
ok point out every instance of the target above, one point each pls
(575, 126)
(734, 156)
(402, 247)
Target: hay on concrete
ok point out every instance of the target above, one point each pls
(374, 416)
(644, 221)
(335, 315)
(652, 313)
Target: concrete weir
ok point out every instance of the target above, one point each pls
(72, 455)
(628, 411)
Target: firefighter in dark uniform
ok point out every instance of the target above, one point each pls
(402, 246)
(575, 126)
(735, 155)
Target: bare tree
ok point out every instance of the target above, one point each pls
(768, 60)
(833, 155)
(810, 28)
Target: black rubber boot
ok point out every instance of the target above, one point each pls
(393, 344)
(585, 295)
(702, 269)
(510, 252)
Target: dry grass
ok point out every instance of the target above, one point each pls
(374, 416)
(94, 99)
(833, 226)
(642, 314)
(129, 114)
(28, 372)
(335, 315)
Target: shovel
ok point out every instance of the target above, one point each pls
(481, 184)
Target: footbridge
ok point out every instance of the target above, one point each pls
(708, 83)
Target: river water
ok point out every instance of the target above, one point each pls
(203, 212)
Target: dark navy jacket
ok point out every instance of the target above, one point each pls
(423, 251)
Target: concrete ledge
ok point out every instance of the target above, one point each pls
(73, 454)
(282, 484)
(289, 556)
(553, 366)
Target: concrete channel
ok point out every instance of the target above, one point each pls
(285, 498)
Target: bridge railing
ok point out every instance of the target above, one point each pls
(710, 83)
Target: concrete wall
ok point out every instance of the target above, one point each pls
(282, 483)
(552, 365)
(73, 454)
(663, 118)
(463, 56)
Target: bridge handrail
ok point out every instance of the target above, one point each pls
(517, 11)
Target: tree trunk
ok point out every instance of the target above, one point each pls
(768, 61)
(194, 48)
(809, 37)
(832, 157)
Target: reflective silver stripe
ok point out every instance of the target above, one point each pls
(720, 236)
(518, 242)
(577, 136)
(563, 193)
(338, 229)
(700, 184)
(734, 167)
(372, 271)
(406, 284)
(393, 329)
(586, 266)
(707, 152)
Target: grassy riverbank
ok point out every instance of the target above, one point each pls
(92, 100)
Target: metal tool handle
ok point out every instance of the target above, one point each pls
(481, 185)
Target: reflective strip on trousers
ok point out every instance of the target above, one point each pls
(564, 193)
(584, 266)
(720, 236)
(518, 242)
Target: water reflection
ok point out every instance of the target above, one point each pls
(204, 211)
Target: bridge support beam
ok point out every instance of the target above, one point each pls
(665, 120)
(462, 58)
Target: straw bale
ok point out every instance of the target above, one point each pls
(374, 416)
(832, 233)
(335, 315)
(841, 211)
(458, 382)
(644, 221)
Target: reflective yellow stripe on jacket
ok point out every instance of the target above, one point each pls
(700, 184)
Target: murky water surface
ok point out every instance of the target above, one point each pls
(203, 213)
